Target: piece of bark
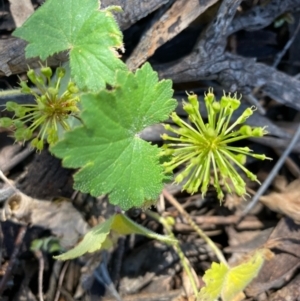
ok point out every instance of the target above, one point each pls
(133, 10)
(277, 271)
(262, 15)
(46, 178)
(209, 60)
(20, 10)
(291, 291)
(167, 26)
(12, 50)
(12, 57)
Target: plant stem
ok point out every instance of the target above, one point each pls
(12, 92)
(212, 245)
(184, 261)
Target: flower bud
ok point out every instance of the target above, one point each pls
(20, 134)
(170, 220)
(193, 99)
(209, 97)
(11, 106)
(5, 122)
(32, 76)
(18, 123)
(25, 88)
(251, 176)
(27, 134)
(247, 113)
(167, 127)
(40, 80)
(235, 103)
(188, 108)
(241, 158)
(37, 143)
(216, 107)
(225, 101)
(211, 133)
(246, 130)
(179, 178)
(46, 71)
(52, 137)
(167, 152)
(20, 111)
(60, 72)
(52, 91)
(72, 88)
(164, 136)
(176, 119)
(258, 132)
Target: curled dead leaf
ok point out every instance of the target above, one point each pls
(64, 221)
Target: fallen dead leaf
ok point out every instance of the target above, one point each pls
(280, 269)
(286, 202)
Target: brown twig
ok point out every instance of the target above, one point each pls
(1, 243)
(61, 279)
(212, 245)
(13, 258)
(39, 255)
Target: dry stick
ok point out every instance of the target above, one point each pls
(13, 258)
(272, 174)
(1, 243)
(39, 255)
(103, 277)
(54, 279)
(286, 47)
(213, 246)
(17, 159)
(6, 180)
(290, 164)
(61, 279)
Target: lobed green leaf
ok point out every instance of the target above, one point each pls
(98, 236)
(227, 282)
(112, 157)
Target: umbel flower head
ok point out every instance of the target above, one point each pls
(204, 147)
(50, 111)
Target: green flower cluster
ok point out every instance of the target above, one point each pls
(203, 147)
(50, 111)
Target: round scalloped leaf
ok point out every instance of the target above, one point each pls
(91, 36)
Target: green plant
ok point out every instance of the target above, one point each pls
(227, 282)
(113, 105)
(51, 111)
(204, 146)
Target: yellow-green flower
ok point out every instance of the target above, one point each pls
(50, 111)
(204, 147)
